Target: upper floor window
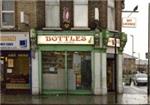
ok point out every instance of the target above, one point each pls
(111, 14)
(8, 14)
(80, 13)
(52, 12)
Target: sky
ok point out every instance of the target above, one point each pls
(140, 33)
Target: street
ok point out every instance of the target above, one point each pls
(132, 89)
(131, 95)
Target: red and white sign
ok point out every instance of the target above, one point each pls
(71, 39)
(129, 22)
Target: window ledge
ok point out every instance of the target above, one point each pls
(7, 28)
(80, 28)
(52, 28)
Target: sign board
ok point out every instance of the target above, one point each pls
(63, 39)
(111, 42)
(128, 22)
(14, 41)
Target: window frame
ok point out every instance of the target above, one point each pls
(7, 12)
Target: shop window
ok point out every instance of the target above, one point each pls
(52, 9)
(53, 69)
(80, 13)
(17, 71)
(111, 14)
(71, 70)
(8, 14)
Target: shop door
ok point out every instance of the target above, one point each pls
(2, 74)
(79, 70)
(66, 71)
(110, 75)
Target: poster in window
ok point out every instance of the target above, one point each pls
(10, 63)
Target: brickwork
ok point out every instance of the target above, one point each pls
(29, 7)
(40, 14)
(102, 5)
(118, 15)
(69, 5)
(35, 9)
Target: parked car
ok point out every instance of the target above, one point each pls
(140, 79)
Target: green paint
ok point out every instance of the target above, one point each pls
(65, 48)
(104, 35)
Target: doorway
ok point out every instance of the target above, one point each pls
(65, 72)
(15, 71)
(110, 75)
(2, 74)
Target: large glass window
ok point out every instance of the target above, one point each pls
(53, 68)
(52, 11)
(8, 20)
(66, 70)
(80, 13)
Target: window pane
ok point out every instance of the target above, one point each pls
(53, 69)
(52, 13)
(52, 16)
(80, 15)
(8, 5)
(8, 19)
(111, 18)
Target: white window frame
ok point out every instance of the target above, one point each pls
(7, 11)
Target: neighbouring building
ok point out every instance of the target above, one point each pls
(129, 64)
(16, 19)
(142, 65)
(73, 45)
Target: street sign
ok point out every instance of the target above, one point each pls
(128, 22)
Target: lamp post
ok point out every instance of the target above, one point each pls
(115, 35)
(132, 45)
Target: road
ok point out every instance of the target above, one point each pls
(132, 89)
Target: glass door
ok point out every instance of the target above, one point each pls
(79, 70)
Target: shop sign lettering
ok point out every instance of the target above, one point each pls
(128, 22)
(59, 39)
(14, 41)
(111, 42)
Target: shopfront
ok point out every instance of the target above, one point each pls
(15, 62)
(65, 63)
(73, 62)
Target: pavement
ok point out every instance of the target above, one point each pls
(74, 99)
(131, 95)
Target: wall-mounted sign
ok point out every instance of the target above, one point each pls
(14, 41)
(128, 22)
(111, 42)
(71, 39)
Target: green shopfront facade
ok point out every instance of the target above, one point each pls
(70, 62)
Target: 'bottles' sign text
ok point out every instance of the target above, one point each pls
(63, 39)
